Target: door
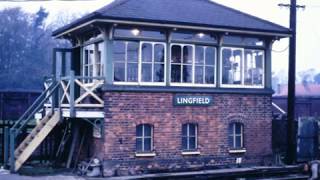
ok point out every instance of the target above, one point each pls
(62, 59)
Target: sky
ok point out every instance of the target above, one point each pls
(308, 26)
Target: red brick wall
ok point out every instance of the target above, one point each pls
(125, 110)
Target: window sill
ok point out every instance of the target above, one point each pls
(237, 151)
(141, 154)
(189, 153)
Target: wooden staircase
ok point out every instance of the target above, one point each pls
(34, 139)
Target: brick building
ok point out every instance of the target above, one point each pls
(173, 84)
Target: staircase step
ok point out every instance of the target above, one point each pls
(34, 139)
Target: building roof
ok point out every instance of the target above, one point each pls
(201, 13)
(302, 90)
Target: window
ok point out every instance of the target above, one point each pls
(192, 64)
(93, 64)
(125, 56)
(236, 135)
(139, 62)
(144, 138)
(244, 41)
(242, 67)
(193, 36)
(139, 33)
(152, 62)
(189, 137)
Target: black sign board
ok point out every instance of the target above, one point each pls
(184, 100)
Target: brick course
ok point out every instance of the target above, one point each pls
(125, 110)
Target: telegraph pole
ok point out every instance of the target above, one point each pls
(291, 125)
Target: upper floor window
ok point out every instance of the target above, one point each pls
(243, 41)
(144, 138)
(152, 62)
(139, 33)
(235, 138)
(188, 36)
(192, 64)
(139, 62)
(125, 61)
(189, 137)
(242, 67)
(93, 64)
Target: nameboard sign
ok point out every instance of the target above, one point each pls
(183, 100)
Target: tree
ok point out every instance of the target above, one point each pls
(25, 49)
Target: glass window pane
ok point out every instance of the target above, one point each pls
(132, 72)
(119, 49)
(194, 36)
(153, 34)
(239, 40)
(238, 142)
(133, 51)
(187, 54)
(226, 65)
(192, 129)
(209, 75)
(159, 53)
(199, 74)
(232, 65)
(210, 55)
(184, 143)
(238, 128)
(187, 73)
(192, 143)
(176, 54)
(86, 57)
(175, 73)
(139, 131)
(158, 75)
(119, 71)
(146, 72)
(199, 55)
(147, 144)
(139, 144)
(253, 67)
(146, 52)
(147, 130)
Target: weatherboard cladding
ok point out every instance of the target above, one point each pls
(202, 13)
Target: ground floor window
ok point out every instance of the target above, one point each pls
(144, 138)
(189, 137)
(235, 135)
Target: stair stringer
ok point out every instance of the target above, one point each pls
(36, 140)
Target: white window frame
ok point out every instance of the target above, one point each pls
(139, 82)
(242, 85)
(126, 66)
(235, 135)
(192, 84)
(188, 136)
(94, 63)
(153, 63)
(143, 138)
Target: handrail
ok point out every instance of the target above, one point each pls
(32, 109)
(27, 116)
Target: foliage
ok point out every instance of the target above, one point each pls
(25, 49)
